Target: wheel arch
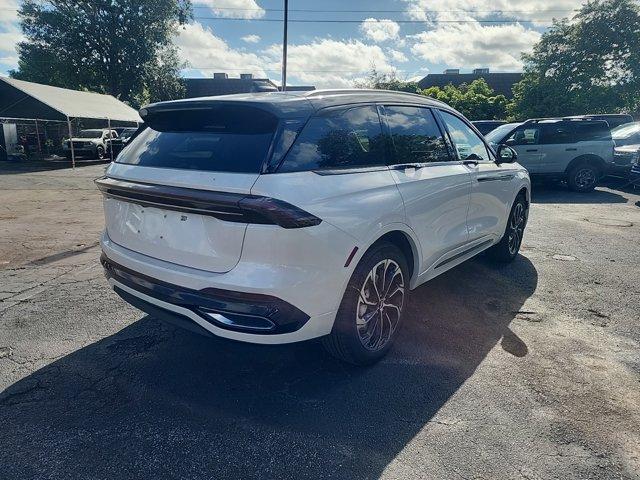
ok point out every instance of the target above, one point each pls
(588, 158)
(405, 239)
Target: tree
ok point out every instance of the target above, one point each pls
(476, 101)
(119, 47)
(588, 65)
(386, 81)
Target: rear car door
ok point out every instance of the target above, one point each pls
(491, 184)
(434, 187)
(558, 147)
(213, 153)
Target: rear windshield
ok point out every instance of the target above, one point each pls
(225, 138)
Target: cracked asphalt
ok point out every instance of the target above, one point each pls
(526, 371)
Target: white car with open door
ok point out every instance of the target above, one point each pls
(281, 217)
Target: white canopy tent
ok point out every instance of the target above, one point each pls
(20, 100)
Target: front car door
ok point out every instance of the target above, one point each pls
(491, 184)
(525, 140)
(434, 187)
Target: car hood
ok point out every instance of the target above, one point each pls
(78, 139)
(628, 148)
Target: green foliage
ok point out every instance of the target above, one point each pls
(386, 81)
(119, 47)
(589, 65)
(476, 101)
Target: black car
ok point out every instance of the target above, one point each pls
(125, 134)
(485, 126)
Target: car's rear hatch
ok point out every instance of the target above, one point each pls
(174, 191)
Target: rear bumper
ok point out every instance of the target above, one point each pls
(299, 303)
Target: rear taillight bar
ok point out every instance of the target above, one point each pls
(231, 207)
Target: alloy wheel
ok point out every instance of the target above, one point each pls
(380, 302)
(585, 178)
(516, 227)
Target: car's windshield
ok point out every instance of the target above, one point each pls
(625, 131)
(497, 134)
(90, 134)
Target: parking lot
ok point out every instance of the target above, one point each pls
(530, 371)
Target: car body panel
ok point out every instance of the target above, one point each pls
(447, 211)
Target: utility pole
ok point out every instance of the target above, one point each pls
(284, 46)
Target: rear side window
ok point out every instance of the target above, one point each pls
(592, 131)
(226, 138)
(415, 134)
(555, 133)
(349, 138)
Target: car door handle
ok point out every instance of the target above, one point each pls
(532, 149)
(470, 162)
(570, 149)
(404, 166)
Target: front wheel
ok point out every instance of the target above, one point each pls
(100, 153)
(507, 249)
(372, 307)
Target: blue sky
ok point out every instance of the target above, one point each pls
(410, 37)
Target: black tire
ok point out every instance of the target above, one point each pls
(507, 249)
(100, 153)
(583, 177)
(345, 340)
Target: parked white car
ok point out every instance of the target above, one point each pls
(281, 217)
(578, 150)
(93, 143)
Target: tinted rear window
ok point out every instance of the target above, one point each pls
(224, 138)
(573, 132)
(341, 139)
(415, 135)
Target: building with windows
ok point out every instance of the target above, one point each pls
(501, 83)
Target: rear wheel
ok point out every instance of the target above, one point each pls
(372, 307)
(507, 249)
(583, 177)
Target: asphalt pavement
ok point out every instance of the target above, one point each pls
(530, 370)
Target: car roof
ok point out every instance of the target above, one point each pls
(298, 104)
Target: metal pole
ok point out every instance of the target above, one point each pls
(38, 137)
(284, 46)
(110, 140)
(73, 152)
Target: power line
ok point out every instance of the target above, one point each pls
(300, 20)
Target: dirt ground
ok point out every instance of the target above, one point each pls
(526, 371)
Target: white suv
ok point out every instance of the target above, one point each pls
(577, 150)
(281, 217)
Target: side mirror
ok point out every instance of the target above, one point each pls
(506, 154)
(511, 142)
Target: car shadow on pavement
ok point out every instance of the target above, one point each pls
(552, 193)
(152, 401)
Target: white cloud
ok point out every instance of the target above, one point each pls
(328, 63)
(233, 8)
(207, 53)
(542, 11)
(380, 30)
(251, 38)
(323, 62)
(472, 45)
(397, 56)
(10, 33)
